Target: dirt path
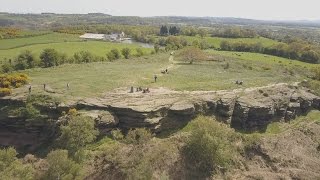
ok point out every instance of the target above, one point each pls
(172, 65)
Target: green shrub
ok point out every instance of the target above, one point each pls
(139, 52)
(31, 112)
(12, 168)
(41, 99)
(25, 60)
(137, 161)
(6, 84)
(191, 54)
(316, 72)
(6, 68)
(72, 112)
(117, 134)
(49, 57)
(113, 54)
(5, 92)
(126, 52)
(18, 85)
(138, 136)
(79, 132)
(61, 167)
(209, 147)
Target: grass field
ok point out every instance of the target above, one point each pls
(99, 48)
(268, 59)
(93, 79)
(215, 41)
(41, 39)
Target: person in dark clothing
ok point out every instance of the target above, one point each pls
(155, 78)
(29, 89)
(44, 86)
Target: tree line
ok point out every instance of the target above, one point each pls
(172, 30)
(176, 43)
(234, 32)
(51, 57)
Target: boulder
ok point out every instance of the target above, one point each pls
(182, 109)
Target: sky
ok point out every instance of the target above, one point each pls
(252, 9)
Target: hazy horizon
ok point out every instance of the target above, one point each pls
(250, 9)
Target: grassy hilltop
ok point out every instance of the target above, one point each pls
(95, 78)
(87, 80)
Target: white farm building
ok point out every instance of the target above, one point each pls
(93, 36)
(106, 37)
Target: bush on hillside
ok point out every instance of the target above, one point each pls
(7, 68)
(5, 92)
(83, 57)
(113, 54)
(25, 60)
(9, 81)
(192, 54)
(60, 166)
(12, 168)
(49, 57)
(126, 52)
(139, 52)
(117, 135)
(79, 132)
(138, 136)
(317, 74)
(210, 147)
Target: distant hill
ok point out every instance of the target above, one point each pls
(47, 19)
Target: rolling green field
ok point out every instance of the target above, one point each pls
(215, 41)
(88, 80)
(37, 45)
(41, 39)
(268, 59)
(92, 79)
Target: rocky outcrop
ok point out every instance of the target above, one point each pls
(24, 135)
(248, 109)
(163, 109)
(104, 120)
(258, 107)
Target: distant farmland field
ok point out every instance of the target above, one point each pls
(215, 41)
(64, 43)
(41, 39)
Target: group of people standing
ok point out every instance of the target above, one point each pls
(45, 87)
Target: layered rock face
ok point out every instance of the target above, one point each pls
(247, 109)
(163, 109)
(23, 135)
